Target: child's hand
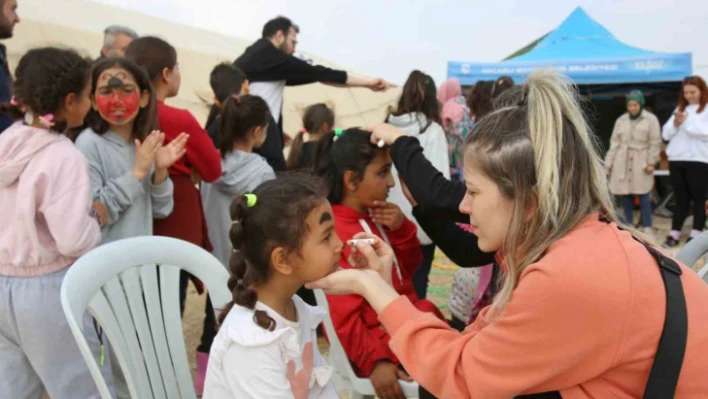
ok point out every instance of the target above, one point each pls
(387, 214)
(169, 154)
(145, 154)
(101, 211)
(196, 177)
(384, 378)
(300, 381)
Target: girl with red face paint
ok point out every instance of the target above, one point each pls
(127, 157)
(128, 160)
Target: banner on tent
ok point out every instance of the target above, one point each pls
(627, 70)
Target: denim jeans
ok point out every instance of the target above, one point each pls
(645, 206)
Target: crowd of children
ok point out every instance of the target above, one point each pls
(96, 155)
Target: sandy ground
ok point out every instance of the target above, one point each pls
(440, 281)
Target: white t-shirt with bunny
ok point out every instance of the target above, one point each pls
(249, 362)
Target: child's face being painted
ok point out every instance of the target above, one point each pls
(321, 248)
(376, 182)
(118, 98)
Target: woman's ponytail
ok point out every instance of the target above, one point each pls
(555, 121)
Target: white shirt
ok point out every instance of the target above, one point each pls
(272, 94)
(688, 142)
(249, 362)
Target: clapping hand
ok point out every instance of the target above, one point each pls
(145, 153)
(168, 154)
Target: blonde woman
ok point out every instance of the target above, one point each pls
(582, 304)
(634, 151)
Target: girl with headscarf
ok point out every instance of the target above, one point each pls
(456, 122)
(634, 151)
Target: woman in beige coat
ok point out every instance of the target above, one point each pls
(634, 150)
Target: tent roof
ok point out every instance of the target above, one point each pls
(79, 24)
(587, 52)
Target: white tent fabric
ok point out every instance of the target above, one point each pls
(79, 24)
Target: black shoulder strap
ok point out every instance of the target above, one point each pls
(665, 372)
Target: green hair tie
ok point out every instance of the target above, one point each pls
(337, 132)
(251, 200)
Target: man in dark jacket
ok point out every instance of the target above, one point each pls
(270, 65)
(8, 19)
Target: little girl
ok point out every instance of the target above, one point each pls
(127, 164)
(283, 236)
(318, 120)
(418, 115)
(244, 121)
(46, 225)
(359, 177)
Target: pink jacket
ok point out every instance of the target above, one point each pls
(45, 201)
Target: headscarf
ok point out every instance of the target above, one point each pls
(449, 90)
(638, 96)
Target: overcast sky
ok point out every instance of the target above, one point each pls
(389, 38)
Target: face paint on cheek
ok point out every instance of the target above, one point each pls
(118, 108)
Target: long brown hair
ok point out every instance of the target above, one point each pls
(701, 84)
(538, 149)
(238, 118)
(419, 96)
(317, 117)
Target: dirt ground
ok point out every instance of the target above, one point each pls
(438, 291)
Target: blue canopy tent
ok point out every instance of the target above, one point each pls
(604, 69)
(587, 52)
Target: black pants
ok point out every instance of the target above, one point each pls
(210, 328)
(420, 278)
(690, 183)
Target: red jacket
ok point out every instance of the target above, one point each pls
(357, 324)
(187, 222)
(201, 153)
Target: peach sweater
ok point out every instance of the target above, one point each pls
(584, 320)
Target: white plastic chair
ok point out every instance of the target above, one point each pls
(131, 287)
(344, 377)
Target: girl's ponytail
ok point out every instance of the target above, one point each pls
(242, 277)
(214, 111)
(239, 116)
(295, 150)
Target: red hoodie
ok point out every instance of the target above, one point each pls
(187, 221)
(357, 324)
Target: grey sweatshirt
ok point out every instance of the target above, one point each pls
(241, 172)
(131, 204)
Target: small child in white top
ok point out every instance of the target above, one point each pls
(283, 237)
